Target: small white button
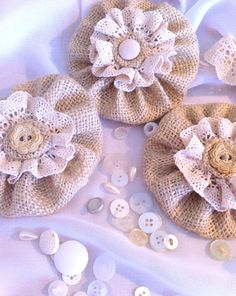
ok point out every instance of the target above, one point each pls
(132, 173)
(141, 202)
(27, 236)
(80, 293)
(120, 133)
(49, 242)
(104, 268)
(119, 208)
(171, 242)
(97, 288)
(119, 178)
(149, 222)
(116, 161)
(127, 223)
(111, 188)
(150, 128)
(71, 280)
(57, 288)
(142, 291)
(157, 240)
(71, 258)
(129, 49)
(95, 205)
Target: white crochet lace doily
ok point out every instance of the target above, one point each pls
(33, 137)
(217, 190)
(222, 55)
(131, 46)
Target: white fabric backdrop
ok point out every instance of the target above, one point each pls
(34, 38)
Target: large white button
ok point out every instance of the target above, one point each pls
(120, 133)
(57, 288)
(80, 293)
(171, 242)
(220, 250)
(157, 240)
(149, 222)
(95, 205)
(129, 49)
(141, 202)
(142, 291)
(71, 280)
(71, 258)
(119, 178)
(97, 288)
(104, 268)
(116, 161)
(127, 223)
(119, 208)
(49, 242)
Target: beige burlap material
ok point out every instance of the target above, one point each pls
(28, 195)
(169, 186)
(150, 99)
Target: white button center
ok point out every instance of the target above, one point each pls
(129, 49)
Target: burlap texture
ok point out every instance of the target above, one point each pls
(30, 196)
(142, 104)
(171, 190)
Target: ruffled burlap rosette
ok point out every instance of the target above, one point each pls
(190, 166)
(50, 143)
(135, 58)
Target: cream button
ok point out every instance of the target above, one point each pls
(119, 208)
(116, 161)
(142, 291)
(150, 128)
(149, 222)
(95, 205)
(157, 240)
(120, 133)
(57, 288)
(127, 223)
(119, 178)
(171, 241)
(138, 237)
(71, 258)
(71, 280)
(97, 288)
(129, 49)
(49, 242)
(141, 202)
(104, 268)
(220, 250)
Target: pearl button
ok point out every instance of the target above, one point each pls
(71, 280)
(27, 236)
(57, 288)
(157, 240)
(104, 268)
(97, 288)
(142, 291)
(133, 171)
(120, 133)
(95, 205)
(138, 237)
(49, 242)
(116, 161)
(127, 223)
(129, 49)
(109, 187)
(119, 178)
(119, 208)
(141, 202)
(149, 222)
(220, 250)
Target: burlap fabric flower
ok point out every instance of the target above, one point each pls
(190, 166)
(50, 142)
(135, 58)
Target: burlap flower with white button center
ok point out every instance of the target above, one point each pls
(136, 58)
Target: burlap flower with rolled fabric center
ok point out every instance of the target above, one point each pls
(50, 143)
(135, 58)
(190, 166)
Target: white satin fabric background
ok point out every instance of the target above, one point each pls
(34, 38)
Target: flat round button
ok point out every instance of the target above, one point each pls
(57, 288)
(80, 293)
(141, 202)
(116, 161)
(142, 291)
(119, 178)
(104, 268)
(119, 208)
(127, 223)
(171, 241)
(71, 258)
(138, 237)
(95, 205)
(220, 250)
(129, 49)
(157, 240)
(97, 288)
(49, 242)
(149, 222)
(150, 128)
(120, 133)
(71, 280)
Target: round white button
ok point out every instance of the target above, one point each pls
(80, 294)
(129, 49)
(104, 268)
(141, 202)
(116, 161)
(157, 240)
(149, 222)
(171, 242)
(220, 250)
(49, 242)
(71, 280)
(97, 288)
(119, 178)
(150, 128)
(57, 288)
(119, 208)
(95, 205)
(127, 223)
(142, 291)
(71, 258)
(120, 133)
